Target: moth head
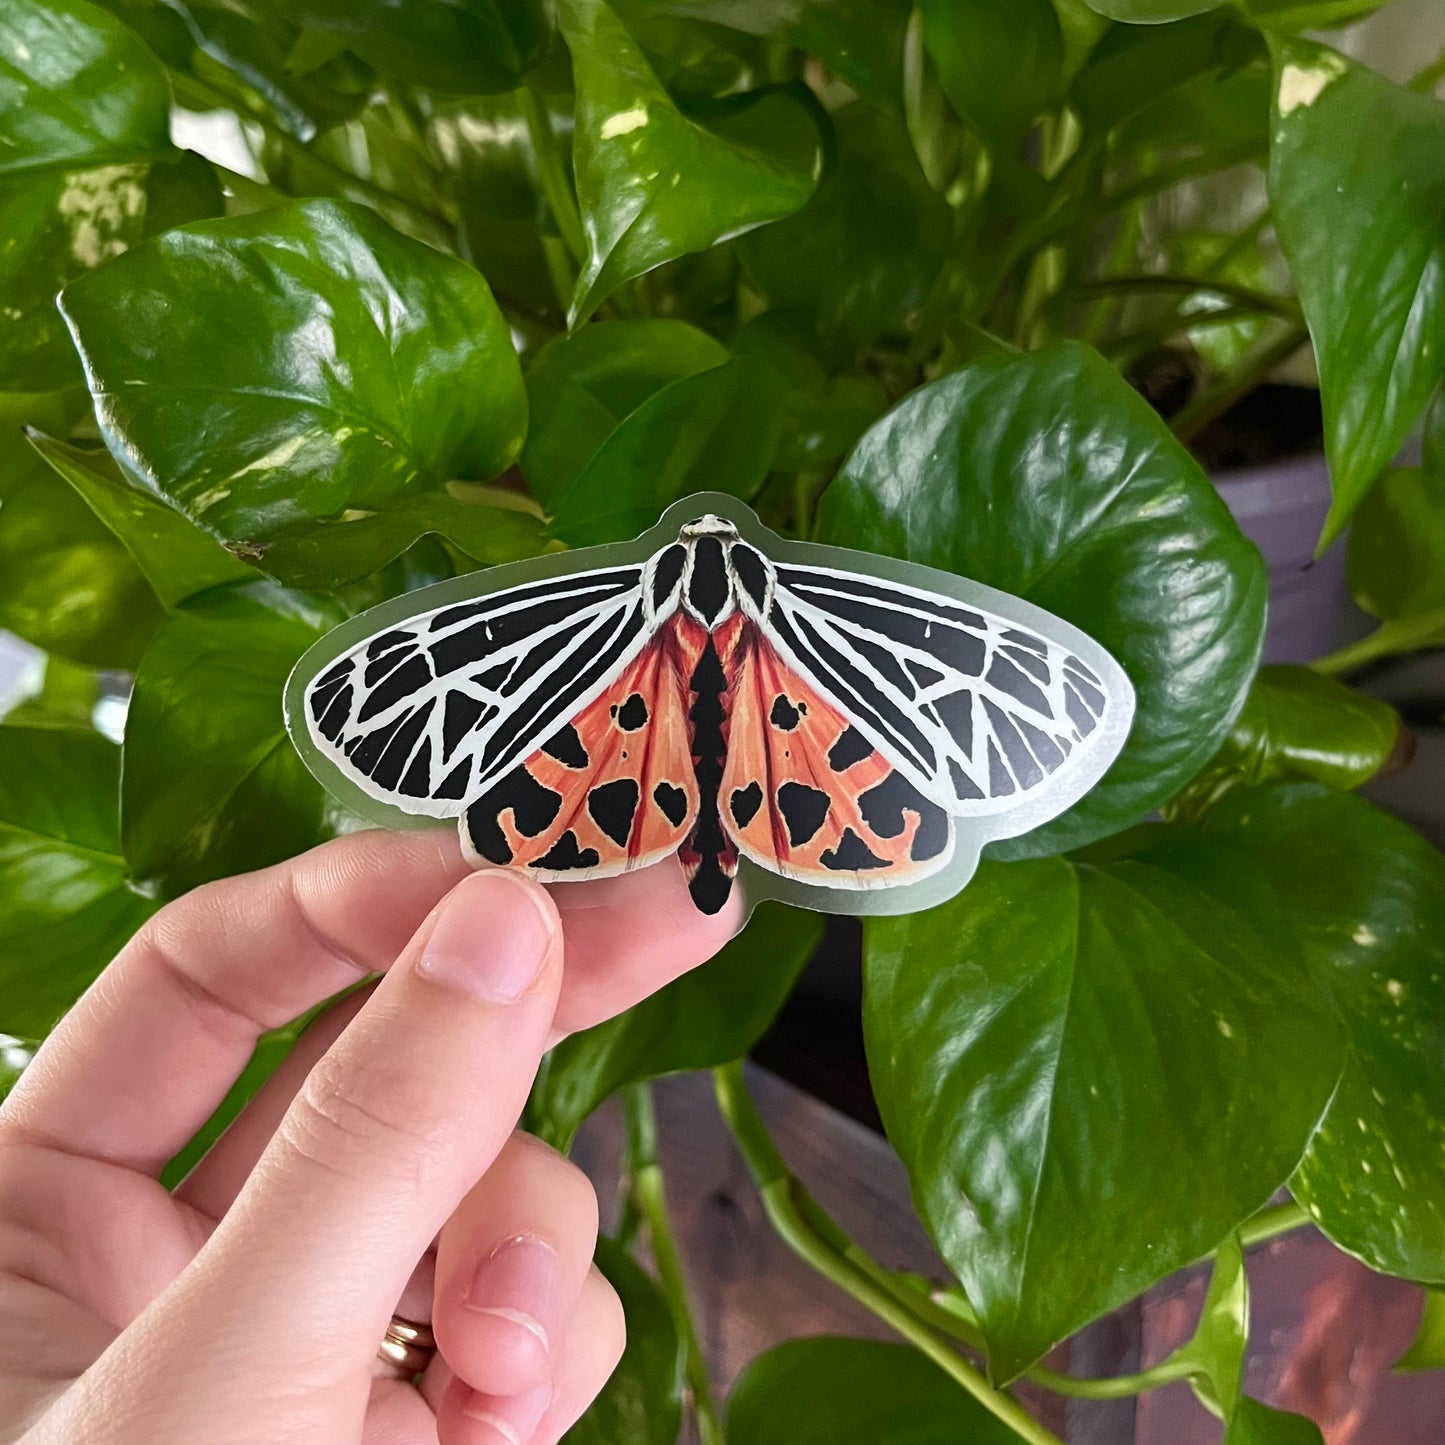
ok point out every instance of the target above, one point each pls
(710, 525)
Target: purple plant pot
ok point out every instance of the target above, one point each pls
(1281, 508)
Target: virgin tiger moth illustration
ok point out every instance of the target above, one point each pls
(835, 728)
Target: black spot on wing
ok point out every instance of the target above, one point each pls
(803, 809)
(1090, 692)
(955, 712)
(613, 806)
(534, 809)
(672, 802)
(1000, 785)
(566, 747)
(1036, 666)
(565, 854)
(852, 855)
(851, 747)
(883, 807)
(786, 715)
(632, 714)
(1074, 664)
(1041, 745)
(1078, 711)
(1023, 763)
(454, 785)
(744, 804)
(337, 674)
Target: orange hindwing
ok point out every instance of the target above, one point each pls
(611, 791)
(805, 794)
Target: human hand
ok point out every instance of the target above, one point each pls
(377, 1173)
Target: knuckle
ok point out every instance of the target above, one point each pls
(362, 1129)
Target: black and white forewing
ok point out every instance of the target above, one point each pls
(979, 712)
(426, 714)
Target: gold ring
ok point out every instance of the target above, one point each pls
(407, 1347)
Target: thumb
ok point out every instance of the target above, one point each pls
(389, 1131)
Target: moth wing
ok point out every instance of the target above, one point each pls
(978, 711)
(806, 795)
(611, 790)
(426, 713)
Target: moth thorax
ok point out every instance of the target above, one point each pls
(707, 579)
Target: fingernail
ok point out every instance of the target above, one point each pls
(507, 1419)
(491, 940)
(519, 1284)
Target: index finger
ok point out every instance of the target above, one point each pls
(140, 1063)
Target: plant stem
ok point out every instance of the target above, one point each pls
(651, 1203)
(1245, 296)
(1114, 1387)
(434, 229)
(1427, 79)
(1272, 1222)
(1193, 418)
(1399, 634)
(552, 172)
(797, 1217)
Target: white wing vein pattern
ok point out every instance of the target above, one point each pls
(977, 711)
(427, 714)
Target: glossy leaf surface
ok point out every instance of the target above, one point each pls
(304, 363)
(707, 1017)
(1366, 246)
(715, 431)
(581, 386)
(58, 225)
(1036, 1044)
(824, 1390)
(68, 908)
(860, 256)
(654, 185)
(172, 553)
(76, 89)
(1046, 476)
(1397, 544)
(471, 47)
(212, 785)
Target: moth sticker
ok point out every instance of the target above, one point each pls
(835, 729)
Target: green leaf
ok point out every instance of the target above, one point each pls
(654, 185)
(1427, 1350)
(76, 89)
(1366, 246)
(1132, 66)
(707, 1017)
(254, 46)
(1045, 475)
(267, 373)
(966, 42)
(470, 47)
(1297, 725)
(858, 260)
(211, 784)
(825, 1390)
(66, 584)
(1397, 544)
(54, 693)
(1307, 14)
(1153, 12)
(716, 431)
(59, 224)
(1367, 899)
(823, 416)
(68, 908)
(15, 1057)
(581, 386)
(1217, 1351)
(1039, 1046)
(860, 41)
(641, 1403)
(172, 553)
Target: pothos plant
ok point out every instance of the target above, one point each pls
(484, 279)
